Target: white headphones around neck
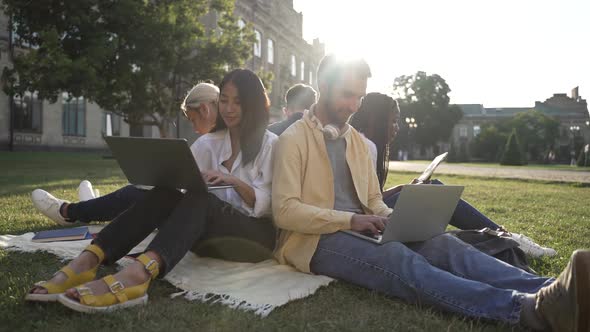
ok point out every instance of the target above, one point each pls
(331, 132)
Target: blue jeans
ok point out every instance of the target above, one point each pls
(106, 208)
(464, 217)
(443, 272)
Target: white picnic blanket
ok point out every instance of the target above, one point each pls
(258, 287)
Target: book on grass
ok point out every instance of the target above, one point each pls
(63, 234)
(425, 176)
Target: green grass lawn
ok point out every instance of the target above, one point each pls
(555, 167)
(556, 215)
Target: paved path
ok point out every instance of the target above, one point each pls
(497, 172)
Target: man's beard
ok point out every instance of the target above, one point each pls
(332, 113)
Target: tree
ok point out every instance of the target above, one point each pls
(425, 98)
(266, 77)
(536, 131)
(488, 143)
(512, 153)
(134, 58)
(584, 156)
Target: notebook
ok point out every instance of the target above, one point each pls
(63, 234)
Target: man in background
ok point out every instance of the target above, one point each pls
(299, 98)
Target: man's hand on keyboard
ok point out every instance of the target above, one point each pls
(366, 223)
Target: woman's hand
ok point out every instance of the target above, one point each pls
(416, 181)
(246, 192)
(392, 191)
(216, 178)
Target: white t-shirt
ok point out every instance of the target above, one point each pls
(212, 149)
(372, 150)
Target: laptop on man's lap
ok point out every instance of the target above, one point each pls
(421, 212)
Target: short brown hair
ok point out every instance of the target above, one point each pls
(300, 97)
(331, 69)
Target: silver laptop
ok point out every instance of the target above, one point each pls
(421, 212)
(158, 162)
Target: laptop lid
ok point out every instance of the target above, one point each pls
(422, 212)
(157, 162)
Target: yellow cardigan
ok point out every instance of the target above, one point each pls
(303, 190)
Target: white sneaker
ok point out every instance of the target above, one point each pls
(85, 191)
(531, 248)
(47, 204)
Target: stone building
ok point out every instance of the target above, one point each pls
(570, 111)
(80, 125)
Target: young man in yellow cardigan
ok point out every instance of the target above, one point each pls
(324, 182)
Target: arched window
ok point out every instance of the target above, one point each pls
(271, 51)
(28, 111)
(258, 43)
(74, 115)
(302, 70)
(293, 66)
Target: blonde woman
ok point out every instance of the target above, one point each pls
(199, 107)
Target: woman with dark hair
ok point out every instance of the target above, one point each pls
(238, 153)
(377, 120)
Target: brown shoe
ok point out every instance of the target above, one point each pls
(565, 304)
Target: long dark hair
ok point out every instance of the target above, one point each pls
(372, 119)
(255, 105)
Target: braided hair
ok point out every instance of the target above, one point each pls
(373, 120)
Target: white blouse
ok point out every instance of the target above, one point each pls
(212, 149)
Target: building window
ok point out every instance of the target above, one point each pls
(18, 41)
(74, 115)
(476, 130)
(271, 51)
(258, 44)
(28, 110)
(111, 124)
(310, 77)
(293, 66)
(462, 131)
(302, 70)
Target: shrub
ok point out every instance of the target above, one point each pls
(512, 153)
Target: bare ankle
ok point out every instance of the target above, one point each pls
(137, 273)
(63, 210)
(87, 260)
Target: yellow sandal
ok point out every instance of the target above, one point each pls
(73, 279)
(119, 296)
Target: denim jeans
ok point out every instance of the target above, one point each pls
(464, 217)
(182, 220)
(105, 208)
(442, 272)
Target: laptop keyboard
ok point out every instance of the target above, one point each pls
(373, 236)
